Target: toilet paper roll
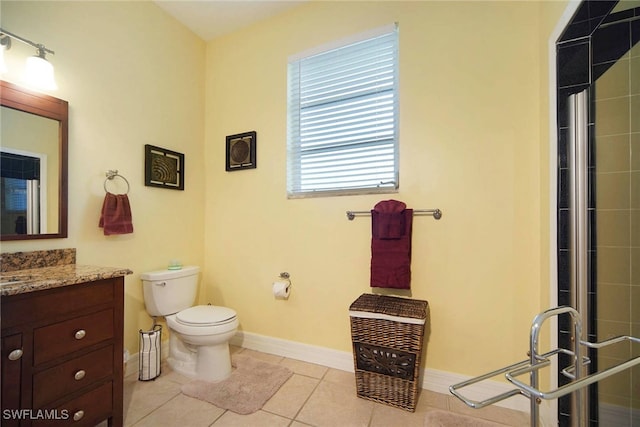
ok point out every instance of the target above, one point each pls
(149, 366)
(281, 289)
(150, 343)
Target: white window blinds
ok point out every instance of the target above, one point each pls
(343, 118)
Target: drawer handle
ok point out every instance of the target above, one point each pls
(80, 334)
(79, 375)
(78, 415)
(15, 354)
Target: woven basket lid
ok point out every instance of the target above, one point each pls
(392, 306)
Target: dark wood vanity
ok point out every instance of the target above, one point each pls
(62, 346)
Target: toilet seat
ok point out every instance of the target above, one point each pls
(206, 315)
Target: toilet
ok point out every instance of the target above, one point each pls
(199, 338)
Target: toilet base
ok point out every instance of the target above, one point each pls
(211, 363)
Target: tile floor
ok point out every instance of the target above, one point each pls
(314, 396)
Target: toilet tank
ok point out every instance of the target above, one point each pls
(169, 291)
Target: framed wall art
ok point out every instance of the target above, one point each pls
(241, 151)
(163, 168)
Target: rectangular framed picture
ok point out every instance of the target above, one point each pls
(163, 168)
(241, 151)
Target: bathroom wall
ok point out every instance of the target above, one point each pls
(132, 76)
(473, 142)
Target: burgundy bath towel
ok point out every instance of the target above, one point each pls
(391, 245)
(115, 217)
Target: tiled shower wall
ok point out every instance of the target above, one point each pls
(617, 174)
(588, 55)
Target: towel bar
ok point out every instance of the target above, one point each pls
(110, 174)
(538, 361)
(436, 213)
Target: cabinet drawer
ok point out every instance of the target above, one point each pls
(50, 342)
(68, 377)
(86, 410)
(48, 304)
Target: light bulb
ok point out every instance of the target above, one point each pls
(3, 64)
(39, 73)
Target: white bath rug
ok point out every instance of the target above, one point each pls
(438, 418)
(251, 384)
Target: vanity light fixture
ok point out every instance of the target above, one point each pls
(38, 71)
(5, 42)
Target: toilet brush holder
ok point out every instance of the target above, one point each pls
(149, 366)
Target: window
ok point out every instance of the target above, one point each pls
(342, 133)
(15, 194)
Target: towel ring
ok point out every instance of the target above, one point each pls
(112, 174)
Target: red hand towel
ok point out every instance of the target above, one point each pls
(391, 245)
(115, 217)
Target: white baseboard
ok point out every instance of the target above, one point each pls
(295, 350)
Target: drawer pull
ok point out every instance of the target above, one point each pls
(79, 375)
(78, 415)
(15, 354)
(80, 334)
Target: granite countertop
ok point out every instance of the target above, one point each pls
(36, 279)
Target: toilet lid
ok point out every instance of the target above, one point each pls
(202, 315)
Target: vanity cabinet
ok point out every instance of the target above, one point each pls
(62, 355)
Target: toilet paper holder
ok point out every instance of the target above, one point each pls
(282, 287)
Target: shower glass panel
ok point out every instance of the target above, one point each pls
(616, 104)
(599, 55)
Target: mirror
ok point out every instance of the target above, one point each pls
(33, 172)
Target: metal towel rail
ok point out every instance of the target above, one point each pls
(111, 174)
(538, 361)
(436, 213)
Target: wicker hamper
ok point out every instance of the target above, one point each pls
(387, 334)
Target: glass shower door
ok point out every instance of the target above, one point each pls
(616, 234)
(599, 231)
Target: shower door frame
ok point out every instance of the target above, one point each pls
(578, 161)
(574, 252)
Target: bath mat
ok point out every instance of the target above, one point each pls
(438, 418)
(250, 385)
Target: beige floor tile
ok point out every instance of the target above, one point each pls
(257, 419)
(385, 416)
(314, 396)
(266, 357)
(292, 395)
(340, 377)
(182, 410)
(303, 368)
(171, 375)
(334, 404)
(431, 399)
(142, 397)
(491, 413)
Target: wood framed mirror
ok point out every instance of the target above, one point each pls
(34, 151)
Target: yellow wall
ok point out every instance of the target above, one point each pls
(132, 76)
(473, 143)
(470, 144)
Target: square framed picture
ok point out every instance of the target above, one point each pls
(241, 151)
(163, 168)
